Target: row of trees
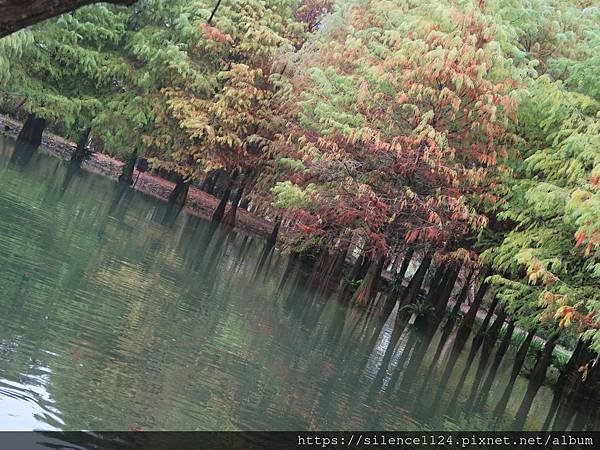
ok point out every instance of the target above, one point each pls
(457, 140)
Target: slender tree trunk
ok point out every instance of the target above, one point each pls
(32, 131)
(577, 387)
(398, 283)
(81, 153)
(405, 263)
(356, 268)
(462, 335)
(460, 299)
(516, 369)
(449, 325)
(402, 316)
(466, 325)
(502, 348)
(363, 268)
(127, 172)
(488, 341)
(272, 239)
(359, 270)
(210, 182)
(340, 259)
(219, 212)
(538, 375)
(207, 180)
(437, 284)
(179, 193)
(321, 263)
(368, 286)
(414, 287)
(440, 297)
(485, 338)
(412, 291)
(561, 383)
(229, 219)
(426, 326)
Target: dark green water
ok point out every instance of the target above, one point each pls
(118, 314)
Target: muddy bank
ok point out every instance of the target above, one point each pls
(199, 203)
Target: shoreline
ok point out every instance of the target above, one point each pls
(198, 203)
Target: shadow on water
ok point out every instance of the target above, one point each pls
(23, 154)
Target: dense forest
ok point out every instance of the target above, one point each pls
(425, 156)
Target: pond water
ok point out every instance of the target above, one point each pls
(118, 313)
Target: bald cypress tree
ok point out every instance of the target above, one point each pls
(63, 70)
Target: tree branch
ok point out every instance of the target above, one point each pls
(17, 14)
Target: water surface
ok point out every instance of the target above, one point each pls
(118, 313)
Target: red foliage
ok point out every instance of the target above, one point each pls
(214, 34)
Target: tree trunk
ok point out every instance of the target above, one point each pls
(462, 334)
(486, 338)
(81, 152)
(210, 182)
(437, 285)
(405, 263)
(340, 259)
(127, 172)
(561, 382)
(412, 291)
(32, 131)
(426, 326)
(359, 270)
(449, 325)
(403, 316)
(219, 212)
(538, 375)
(179, 193)
(362, 269)
(272, 239)
(439, 297)
(516, 369)
(502, 348)
(461, 297)
(17, 14)
(206, 182)
(575, 388)
(368, 286)
(466, 325)
(414, 287)
(229, 219)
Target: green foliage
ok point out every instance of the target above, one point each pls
(289, 195)
(421, 307)
(64, 68)
(549, 261)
